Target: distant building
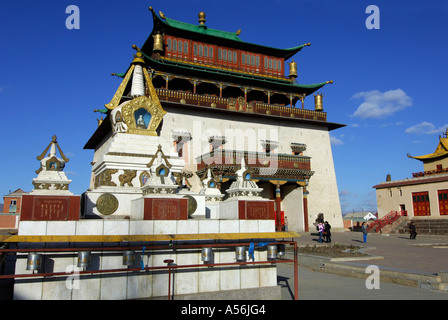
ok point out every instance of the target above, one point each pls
(425, 195)
(354, 219)
(12, 205)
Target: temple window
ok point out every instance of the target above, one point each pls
(169, 44)
(185, 47)
(174, 45)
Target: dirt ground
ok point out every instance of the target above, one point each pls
(335, 250)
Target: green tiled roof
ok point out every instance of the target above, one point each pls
(202, 30)
(231, 38)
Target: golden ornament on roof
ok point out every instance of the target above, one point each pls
(201, 16)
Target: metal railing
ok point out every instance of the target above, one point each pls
(388, 219)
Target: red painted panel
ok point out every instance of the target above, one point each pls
(50, 208)
(261, 210)
(165, 209)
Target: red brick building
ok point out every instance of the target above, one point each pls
(12, 205)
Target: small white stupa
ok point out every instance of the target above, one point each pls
(210, 188)
(51, 178)
(244, 186)
(161, 181)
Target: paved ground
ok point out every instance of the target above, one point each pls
(314, 285)
(426, 254)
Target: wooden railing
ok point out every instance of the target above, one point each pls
(211, 101)
(258, 159)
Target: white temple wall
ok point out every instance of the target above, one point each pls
(323, 194)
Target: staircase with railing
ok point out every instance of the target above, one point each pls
(388, 219)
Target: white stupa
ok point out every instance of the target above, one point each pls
(244, 186)
(51, 178)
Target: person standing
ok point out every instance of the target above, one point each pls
(412, 231)
(327, 232)
(364, 231)
(320, 228)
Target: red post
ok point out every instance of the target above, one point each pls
(278, 200)
(296, 273)
(169, 261)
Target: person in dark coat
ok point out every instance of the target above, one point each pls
(327, 232)
(364, 232)
(412, 231)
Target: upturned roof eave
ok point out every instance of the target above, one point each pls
(283, 85)
(214, 36)
(441, 152)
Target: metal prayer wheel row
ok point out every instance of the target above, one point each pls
(34, 261)
(273, 252)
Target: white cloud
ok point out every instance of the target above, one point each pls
(426, 128)
(378, 104)
(335, 141)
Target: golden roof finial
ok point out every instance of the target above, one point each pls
(238, 32)
(138, 57)
(201, 16)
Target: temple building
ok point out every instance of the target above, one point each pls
(206, 164)
(425, 195)
(210, 100)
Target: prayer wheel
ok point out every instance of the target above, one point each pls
(207, 255)
(34, 261)
(280, 250)
(240, 253)
(128, 257)
(84, 259)
(272, 252)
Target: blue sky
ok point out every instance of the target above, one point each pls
(388, 89)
